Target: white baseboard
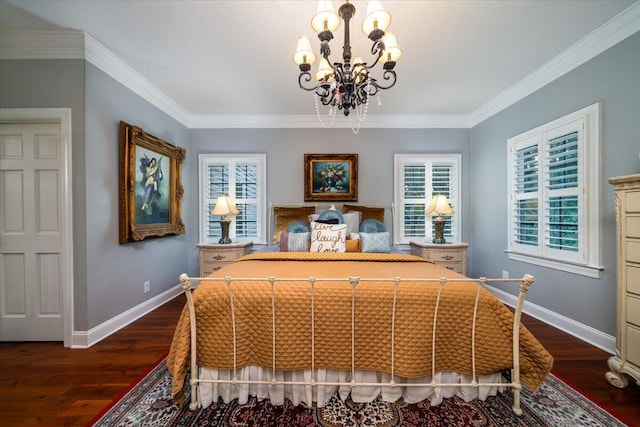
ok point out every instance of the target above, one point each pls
(585, 333)
(85, 339)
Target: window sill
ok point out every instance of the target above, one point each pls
(582, 270)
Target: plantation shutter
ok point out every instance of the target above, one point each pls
(239, 176)
(414, 177)
(246, 196)
(441, 184)
(217, 183)
(525, 208)
(420, 177)
(564, 191)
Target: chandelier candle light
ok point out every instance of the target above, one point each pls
(347, 85)
(224, 206)
(439, 206)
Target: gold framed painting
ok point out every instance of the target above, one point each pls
(150, 186)
(331, 177)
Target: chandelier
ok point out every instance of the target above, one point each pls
(347, 85)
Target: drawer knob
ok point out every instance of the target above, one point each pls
(218, 257)
(216, 268)
(447, 257)
(450, 268)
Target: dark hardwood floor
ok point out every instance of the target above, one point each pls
(45, 384)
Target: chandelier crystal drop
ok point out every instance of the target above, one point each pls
(347, 85)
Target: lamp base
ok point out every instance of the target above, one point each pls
(439, 225)
(224, 224)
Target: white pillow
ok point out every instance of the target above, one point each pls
(352, 219)
(328, 237)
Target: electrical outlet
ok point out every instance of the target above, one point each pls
(505, 274)
(147, 286)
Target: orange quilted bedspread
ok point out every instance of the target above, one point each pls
(415, 305)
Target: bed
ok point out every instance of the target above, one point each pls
(305, 325)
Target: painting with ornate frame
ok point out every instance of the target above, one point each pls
(150, 186)
(331, 177)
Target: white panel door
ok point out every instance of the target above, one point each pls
(30, 232)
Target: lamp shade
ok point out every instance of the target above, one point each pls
(359, 71)
(325, 18)
(377, 18)
(391, 50)
(304, 54)
(224, 206)
(324, 70)
(439, 206)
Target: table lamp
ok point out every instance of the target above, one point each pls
(224, 206)
(439, 206)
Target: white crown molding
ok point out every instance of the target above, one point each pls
(78, 44)
(41, 45)
(618, 28)
(113, 66)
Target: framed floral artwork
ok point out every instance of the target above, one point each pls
(150, 186)
(331, 177)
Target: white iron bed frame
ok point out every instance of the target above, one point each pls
(524, 283)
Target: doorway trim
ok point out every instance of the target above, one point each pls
(61, 116)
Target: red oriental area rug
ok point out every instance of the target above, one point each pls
(148, 403)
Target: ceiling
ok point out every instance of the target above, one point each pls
(219, 58)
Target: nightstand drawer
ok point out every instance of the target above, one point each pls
(445, 256)
(220, 256)
(210, 267)
(455, 266)
(213, 257)
(448, 255)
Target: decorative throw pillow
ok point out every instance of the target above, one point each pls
(283, 216)
(353, 245)
(331, 214)
(372, 226)
(328, 237)
(375, 242)
(298, 227)
(352, 219)
(294, 242)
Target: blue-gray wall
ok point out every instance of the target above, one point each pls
(116, 273)
(612, 78)
(285, 149)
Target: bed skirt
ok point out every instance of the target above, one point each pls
(320, 394)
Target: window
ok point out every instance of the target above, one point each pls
(553, 194)
(243, 177)
(417, 178)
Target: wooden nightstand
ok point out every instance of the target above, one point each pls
(450, 255)
(215, 256)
